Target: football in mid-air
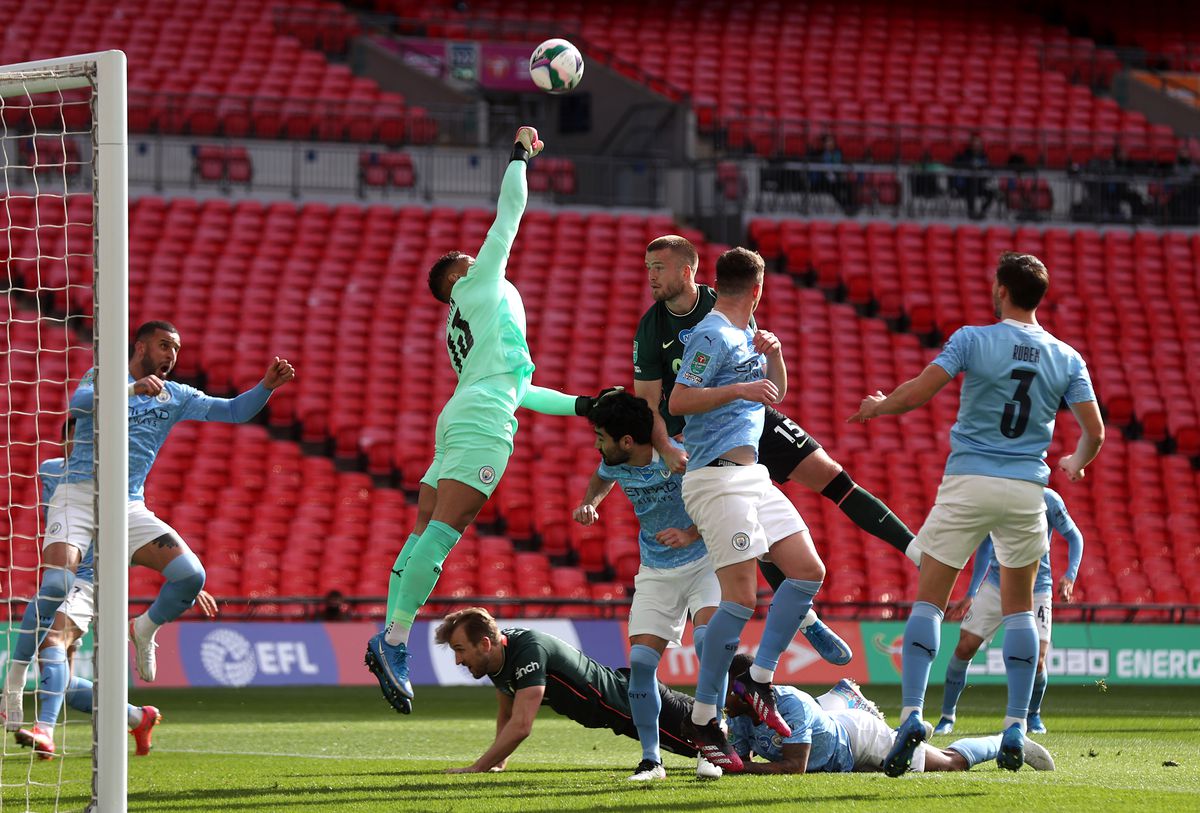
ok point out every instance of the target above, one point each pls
(556, 66)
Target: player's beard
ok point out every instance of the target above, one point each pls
(667, 292)
(618, 458)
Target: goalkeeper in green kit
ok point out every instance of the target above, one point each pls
(485, 337)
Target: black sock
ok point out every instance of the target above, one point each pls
(772, 574)
(867, 511)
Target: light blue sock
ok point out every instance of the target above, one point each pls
(720, 645)
(184, 580)
(52, 684)
(79, 697)
(793, 600)
(922, 637)
(698, 635)
(39, 613)
(79, 694)
(956, 681)
(1039, 691)
(1020, 661)
(644, 700)
(977, 749)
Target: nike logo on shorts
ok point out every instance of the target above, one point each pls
(668, 344)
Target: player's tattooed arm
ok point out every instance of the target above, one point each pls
(597, 489)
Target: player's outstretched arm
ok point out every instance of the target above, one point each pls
(908, 396)
(514, 194)
(552, 402)
(525, 705)
(794, 760)
(1087, 413)
(250, 403)
(597, 489)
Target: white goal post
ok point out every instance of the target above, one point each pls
(105, 74)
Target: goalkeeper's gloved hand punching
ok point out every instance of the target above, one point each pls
(526, 144)
(586, 403)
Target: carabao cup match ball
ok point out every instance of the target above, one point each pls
(556, 66)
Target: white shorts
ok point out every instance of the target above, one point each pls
(71, 518)
(985, 616)
(664, 598)
(871, 739)
(738, 511)
(969, 507)
(80, 606)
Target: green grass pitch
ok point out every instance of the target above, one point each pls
(331, 750)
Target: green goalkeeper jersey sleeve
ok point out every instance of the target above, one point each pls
(485, 329)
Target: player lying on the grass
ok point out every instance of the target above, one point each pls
(675, 579)
(1015, 377)
(787, 450)
(155, 406)
(730, 372)
(983, 616)
(530, 668)
(56, 661)
(853, 739)
(485, 337)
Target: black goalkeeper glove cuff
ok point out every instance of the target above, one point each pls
(519, 153)
(584, 404)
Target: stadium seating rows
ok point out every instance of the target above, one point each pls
(1126, 299)
(339, 290)
(889, 79)
(1170, 29)
(219, 67)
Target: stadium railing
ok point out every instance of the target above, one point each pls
(364, 608)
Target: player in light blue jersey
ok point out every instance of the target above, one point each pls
(841, 739)
(56, 652)
(729, 372)
(155, 406)
(981, 608)
(1015, 376)
(675, 579)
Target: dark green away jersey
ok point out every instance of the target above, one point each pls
(577, 687)
(659, 343)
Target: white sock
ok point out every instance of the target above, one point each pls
(950, 717)
(134, 716)
(907, 710)
(17, 672)
(143, 626)
(48, 730)
(703, 712)
(396, 634)
(809, 619)
(760, 674)
(1008, 721)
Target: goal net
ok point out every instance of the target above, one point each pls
(64, 289)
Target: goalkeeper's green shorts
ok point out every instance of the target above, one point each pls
(474, 437)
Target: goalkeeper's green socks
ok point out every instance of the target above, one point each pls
(397, 572)
(418, 577)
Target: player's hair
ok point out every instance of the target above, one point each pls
(439, 270)
(1025, 277)
(147, 329)
(741, 664)
(622, 413)
(476, 621)
(681, 247)
(738, 271)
